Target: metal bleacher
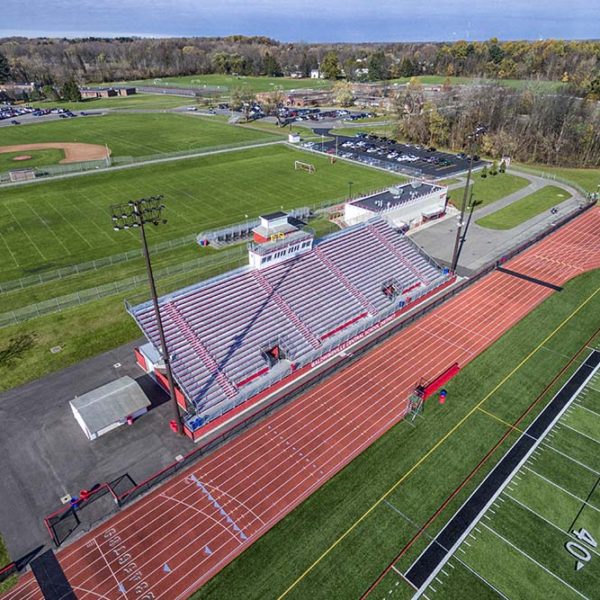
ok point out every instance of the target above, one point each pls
(217, 330)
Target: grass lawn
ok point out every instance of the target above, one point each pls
(489, 189)
(307, 536)
(5, 560)
(136, 134)
(522, 210)
(227, 82)
(137, 101)
(52, 224)
(588, 179)
(541, 85)
(38, 159)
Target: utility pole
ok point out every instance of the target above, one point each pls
(350, 189)
(136, 214)
(472, 138)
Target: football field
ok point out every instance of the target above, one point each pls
(540, 536)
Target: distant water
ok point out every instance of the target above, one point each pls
(306, 20)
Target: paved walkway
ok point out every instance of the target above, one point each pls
(483, 245)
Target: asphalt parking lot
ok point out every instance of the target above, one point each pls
(409, 159)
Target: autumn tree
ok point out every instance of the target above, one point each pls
(330, 67)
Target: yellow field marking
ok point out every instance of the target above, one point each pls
(434, 448)
(497, 418)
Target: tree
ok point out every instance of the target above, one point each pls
(407, 68)
(494, 169)
(484, 172)
(4, 69)
(378, 68)
(330, 67)
(271, 66)
(502, 167)
(342, 92)
(242, 99)
(50, 93)
(70, 91)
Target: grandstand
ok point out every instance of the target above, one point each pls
(234, 335)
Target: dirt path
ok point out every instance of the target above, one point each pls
(74, 152)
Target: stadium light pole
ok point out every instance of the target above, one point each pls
(136, 214)
(472, 138)
(350, 189)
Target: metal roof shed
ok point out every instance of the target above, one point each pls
(108, 407)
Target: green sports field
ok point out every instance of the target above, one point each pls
(541, 535)
(135, 102)
(227, 82)
(52, 224)
(38, 158)
(526, 208)
(489, 189)
(136, 134)
(340, 539)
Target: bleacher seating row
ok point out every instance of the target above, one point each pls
(216, 329)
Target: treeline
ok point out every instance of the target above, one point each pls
(553, 129)
(53, 61)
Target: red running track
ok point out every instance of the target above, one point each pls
(172, 541)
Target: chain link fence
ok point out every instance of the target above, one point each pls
(123, 161)
(92, 265)
(223, 260)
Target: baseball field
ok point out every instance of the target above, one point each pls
(135, 134)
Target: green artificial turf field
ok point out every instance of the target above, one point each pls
(337, 542)
(52, 224)
(540, 537)
(524, 209)
(489, 189)
(136, 134)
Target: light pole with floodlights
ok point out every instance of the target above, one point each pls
(472, 138)
(136, 214)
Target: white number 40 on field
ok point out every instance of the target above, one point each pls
(579, 552)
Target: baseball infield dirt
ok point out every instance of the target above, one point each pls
(74, 152)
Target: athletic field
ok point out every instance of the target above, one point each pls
(541, 535)
(52, 224)
(135, 134)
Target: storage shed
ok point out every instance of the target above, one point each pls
(109, 406)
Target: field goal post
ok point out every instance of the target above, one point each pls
(304, 166)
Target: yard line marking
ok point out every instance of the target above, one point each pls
(565, 491)
(7, 207)
(588, 410)
(580, 433)
(481, 577)
(531, 510)
(551, 447)
(417, 464)
(535, 562)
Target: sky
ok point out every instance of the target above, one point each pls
(306, 20)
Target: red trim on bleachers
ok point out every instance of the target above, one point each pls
(252, 377)
(344, 325)
(411, 287)
(140, 359)
(164, 384)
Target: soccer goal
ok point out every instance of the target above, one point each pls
(302, 166)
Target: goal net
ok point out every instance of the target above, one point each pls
(303, 166)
